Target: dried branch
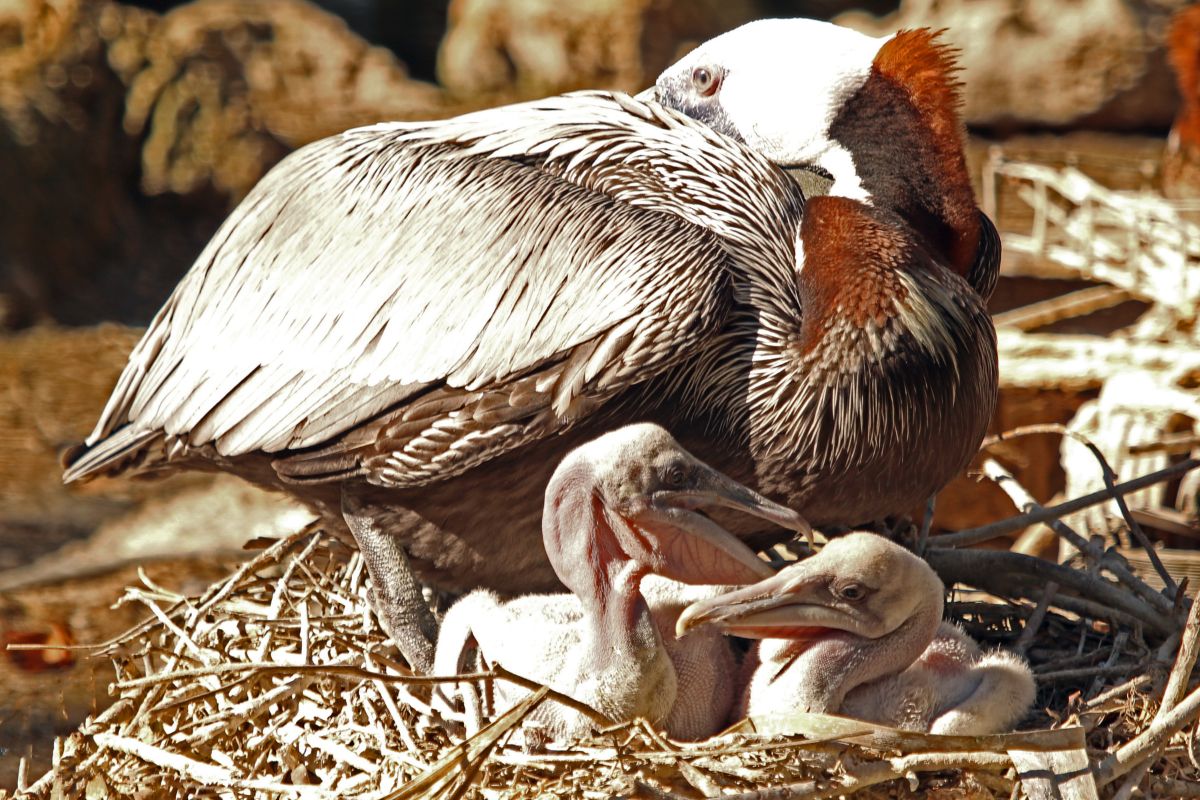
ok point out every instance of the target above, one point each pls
(875, 772)
(1004, 527)
(1109, 561)
(1034, 624)
(1185, 662)
(202, 773)
(1109, 477)
(1011, 575)
(1149, 741)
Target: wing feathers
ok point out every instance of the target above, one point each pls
(480, 277)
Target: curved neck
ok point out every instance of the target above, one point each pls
(913, 165)
(821, 674)
(577, 531)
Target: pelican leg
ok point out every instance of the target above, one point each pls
(397, 597)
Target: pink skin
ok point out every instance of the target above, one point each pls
(617, 509)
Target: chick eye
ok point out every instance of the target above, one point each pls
(675, 475)
(706, 81)
(852, 592)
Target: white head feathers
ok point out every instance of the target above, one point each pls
(783, 106)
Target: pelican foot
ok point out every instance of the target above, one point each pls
(396, 593)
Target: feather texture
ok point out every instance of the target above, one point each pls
(410, 300)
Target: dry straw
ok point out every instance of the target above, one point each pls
(277, 684)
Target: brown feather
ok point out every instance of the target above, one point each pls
(926, 68)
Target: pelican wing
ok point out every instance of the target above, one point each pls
(394, 305)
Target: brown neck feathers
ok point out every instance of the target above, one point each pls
(1183, 51)
(904, 132)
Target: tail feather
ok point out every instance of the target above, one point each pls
(122, 445)
(1004, 694)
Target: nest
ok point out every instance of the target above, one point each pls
(278, 683)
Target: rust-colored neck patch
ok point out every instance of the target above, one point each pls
(851, 259)
(1183, 52)
(926, 67)
(905, 135)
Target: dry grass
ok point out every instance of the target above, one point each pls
(277, 683)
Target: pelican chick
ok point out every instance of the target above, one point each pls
(616, 509)
(857, 630)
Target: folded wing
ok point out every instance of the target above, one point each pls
(395, 303)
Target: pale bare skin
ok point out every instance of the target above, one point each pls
(857, 630)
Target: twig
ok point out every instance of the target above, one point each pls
(1109, 477)
(926, 525)
(696, 777)
(1117, 649)
(1167, 787)
(792, 791)
(1035, 620)
(272, 554)
(1130, 754)
(1131, 783)
(890, 769)
(1022, 499)
(200, 772)
(1172, 444)
(597, 719)
(233, 716)
(642, 789)
(1133, 684)
(1101, 671)
(993, 570)
(1013, 524)
(1185, 661)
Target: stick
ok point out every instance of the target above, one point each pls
(1169, 787)
(1118, 648)
(1185, 661)
(926, 525)
(1074, 304)
(1149, 741)
(1106, 472)
(1022, 499)
(1120, 689)
(1127, 788)
(993, 571)
(200, 772)
(1099, 671)
(891, 769)
(1013, 524)
(1035, 620)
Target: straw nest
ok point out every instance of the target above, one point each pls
(277, 683)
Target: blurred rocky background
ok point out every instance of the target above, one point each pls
(129, 130)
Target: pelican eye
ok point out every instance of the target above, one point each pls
(675, 476)
(851, 592)
(706, 81)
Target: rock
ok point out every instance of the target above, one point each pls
(1084, 63)
(230, 86)
(530, 48)
(126, 136)
(57, 381)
